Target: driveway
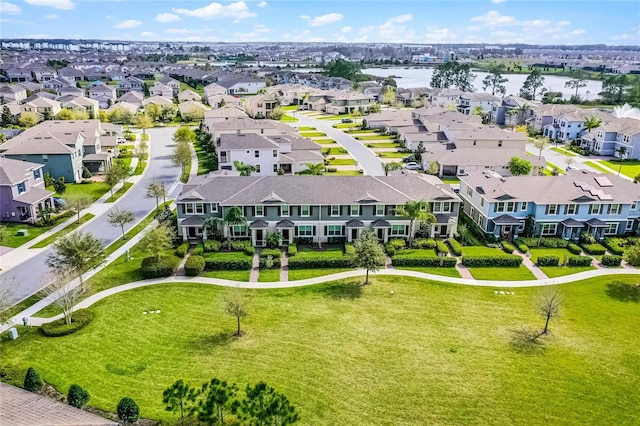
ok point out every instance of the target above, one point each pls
(370, 163)
(32, 275)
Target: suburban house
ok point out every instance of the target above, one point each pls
(310, 208)
(19, 75)
(42, 106)
(569, 126)
(348, 101)
(238, 125)
(132, 97)
(159, 89)
(191, 109)
(44, 74)
(213, 89)
(103, 93)
(70, 90)
(468, 102)
(611, 136)
(219, 101)
(382, 119)
(159, 100)
(511, 111)
(12, 93)
(444, 97)
(189, 95)
(220, 114)
(124, 106)
(80, 104)
(22, 191)
(260, 106)
(242, 85)
(172, 83)
(270, 155)
(408, 97)
(543, 115)
(557, 206)
(130, 84)
(57, 84)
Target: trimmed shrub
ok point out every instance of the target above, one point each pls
(507, 248)
(163, 266)
(398, 243)
(292, 250)
(237, 245)
(211, 245)
(349, 249)
(310, 262)
(456, 247)
(77, 397)
(275, 263)
(32, 380)
(431, 262)
(424, 243)
(554, 242)
(79, 320)
(594, 249)
(548, 260)
(275, 253)
(608, 260)
(391, 250)
(574, 249)
(198, 250)
(509, 261)
(441, 247)
(614, 245)
(579, 261)
(194, 265)
(250, 251)
(524, 248)
(182, 249)
(128, 411)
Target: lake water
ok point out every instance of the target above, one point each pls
(421, 77)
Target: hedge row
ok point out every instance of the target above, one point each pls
(574, 248)
(163, 266)
(212, 245)
(194, 265)
(594, 249)
(441, 247)
(432, 262)
(292, 250)
(397, 243)
(274, 265)
(79, 320)
(456, 247)
(182, 249)
(320, 262)
(509, 261)
(424, 243)
(231, 264)
(614, 245)
(579, 261)
(507, 248)
(542, 242)
(608, 260)
(548, 260)
(270, 252)
(391, 250)
(521, 245)
(349, 249)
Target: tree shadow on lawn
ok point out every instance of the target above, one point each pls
(207, 342)
(527, 341)
(348, 291)
(624, 292)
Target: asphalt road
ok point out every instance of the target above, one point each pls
(33, 274)
(365, 157)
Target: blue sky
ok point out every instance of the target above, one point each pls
(392, 21)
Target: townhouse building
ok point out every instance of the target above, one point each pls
(314, 208)
(556, 206)
(512, 111)
(22, 191)
(569, 126)
(468, 102)
(243, 124)
(610, 137)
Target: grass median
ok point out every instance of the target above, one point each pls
(64, 231)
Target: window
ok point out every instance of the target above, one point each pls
(257, 168)
(629, 226)
(199, 208)
(188, 208)
(444, 207)
(469, 191)
(552, 209)
(595, 209)
(37, 174)
(499, 144)
(355, 210)
(45, 158)
(614, 209)
(275, 168)
(284, 211)
(523, 206)
(214, 207)
(398, 229)
(305, 210)
(509, 207)
(256, 154)
(335, 210)
(548, 228)
(572, 208)
(334, 231)
(304, 231)
(634, 205)
(21, 188)
(379, 210)
(481, 202)
(611, 229)
(239, 230)
(259, 210)
(275, 153)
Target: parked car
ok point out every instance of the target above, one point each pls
(120, 139)
(347, 120)
(412, 165)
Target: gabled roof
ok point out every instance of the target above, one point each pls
(15, 171)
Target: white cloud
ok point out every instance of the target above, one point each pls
(111, 17)
(393, 30)
(346, 29)
(318, 21)
(9, 8)
(166, 17)
(148, 34)
(260, 28)
(237, 11)
(577, 32)
(497, 1)
(262, 4)
(56, 4)
(51, 16)
(129, 23)
(37, 36)
(439, 35)
(400, 19)
(494, 18)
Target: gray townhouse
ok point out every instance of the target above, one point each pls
(611, 136)
(22, 191)
(559, 206)
(314, 208)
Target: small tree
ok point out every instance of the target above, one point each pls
(417, 211)
(121, 218)
(273, 239)
(77, 397)
(143, 122)
(65, 294)
(632, 255)
(141, 150)
(78, 202)
(77, 252)
(265, 406)
(548, 303)
(28, 119)
(219, 399)
(244, 169)
(369, 253)
(433, 169)
(314, 169)
(541, 143)
(184, 134)
(59, 186)
(32, 381)
(519, 166)
(155, 190)
(181, 155)
(128, 411)
(236, 304)
(157, 240)
(389, 167)
(113, 176)
(180, 397)
(389, 95)
(153, 111)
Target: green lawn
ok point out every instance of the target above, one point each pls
(10, 237)
(307, 128)
(375, 138)
(352, 131)
(564, 152)
(347, 354)
(630, 168)
(596, 166)
(288, 119)
(94, 189)
(119, 193)
(335, 151)
(303, 274)
(560, 271)
(342, 162)
(142, 164)
(445, 272)
(392, 154)
(502, 274)
(269, 275)
(64, 231)
(335, 117)
(482, 251)
(324, 141)
(346, 125)
(344, 173)
(450, 180)
(543, 251)
(385, 145)
(416, 253)
(228, 275)
(312, 134)
(289, 108)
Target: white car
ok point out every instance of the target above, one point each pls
(412, 165)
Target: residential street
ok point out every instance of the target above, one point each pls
(32, 274)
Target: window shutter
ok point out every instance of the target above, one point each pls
(325, 230)
(296, 230)
(344, 230)
(314, 231)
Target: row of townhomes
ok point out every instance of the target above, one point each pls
(562, 206)
(311, 207)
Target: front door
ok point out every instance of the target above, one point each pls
(192, 232)
(380, 233)
(285, 236)
(354, 234)
(259, 237)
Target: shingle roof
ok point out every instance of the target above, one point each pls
(15, 171)
(245, 141)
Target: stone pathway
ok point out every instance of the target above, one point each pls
(255, 268)
(388, 263)
(528, 263)
(180, 271)
(284, 267)
(463, 271)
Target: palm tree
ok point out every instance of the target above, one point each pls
(418, 211)
(233, 217)
(591, 123)
(512, 117)
(622, 153)
(244, 169)
(314, 169)
(477, 110)
(522, 111)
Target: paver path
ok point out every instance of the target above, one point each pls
(180, 271)
(284, 267)
(535, 269)
(255, 268)
(463, 271)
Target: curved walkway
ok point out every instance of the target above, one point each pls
(342, 275)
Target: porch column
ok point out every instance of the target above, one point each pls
(253, 237)
(184, 233)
